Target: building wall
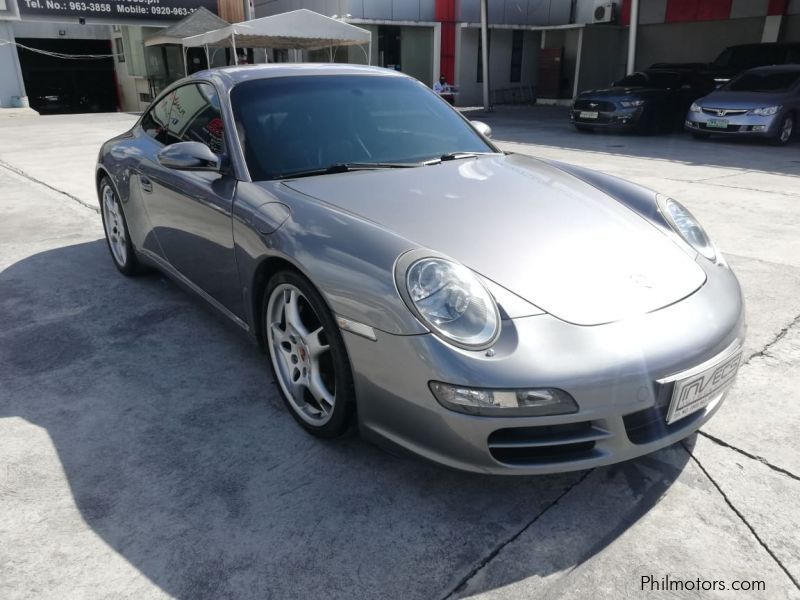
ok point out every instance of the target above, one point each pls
(604, 56)
(381, 10)
(517, 12)
(700, 41)
(470, 91)
(416, 50)
(11, 86)
(40, 29)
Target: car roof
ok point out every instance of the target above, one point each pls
(791, 68)
(231, 76)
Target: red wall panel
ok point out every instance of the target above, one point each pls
(777, 7)
(446, 15)
(697, 10)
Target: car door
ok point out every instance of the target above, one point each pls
(191, 210)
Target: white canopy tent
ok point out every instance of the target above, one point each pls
(299, 30)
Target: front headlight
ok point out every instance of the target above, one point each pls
(695, 107)
(765, 111)
(687, 226)
(631, 103)
(451, 300)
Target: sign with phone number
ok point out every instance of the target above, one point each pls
(145, 10)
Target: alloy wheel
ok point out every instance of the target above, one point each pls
(301, 355)
(115, 227)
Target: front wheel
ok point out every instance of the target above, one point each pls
(116, 228)
(785, 131)
(308, 356)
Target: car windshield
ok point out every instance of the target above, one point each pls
(774, 81)
(290, 125)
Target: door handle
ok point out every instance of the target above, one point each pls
(147, 185)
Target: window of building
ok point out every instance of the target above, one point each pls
(516, 56)
(119, 49)
(196, 117)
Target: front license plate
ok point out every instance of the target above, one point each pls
(697, 391)
(589, 114)
(717, 123)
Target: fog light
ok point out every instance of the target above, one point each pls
(759, 127)
(504, 403)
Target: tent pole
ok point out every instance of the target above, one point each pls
(369, 51)
(208, 59)
(185, 58)
(233, 44)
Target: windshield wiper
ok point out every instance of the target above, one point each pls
(345, 168)
(455, 156)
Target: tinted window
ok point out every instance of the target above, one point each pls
(748, 57)
(292, 124)
(154, 123)
(773, 81)
(196, 116)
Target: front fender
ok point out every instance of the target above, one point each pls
(349, 259)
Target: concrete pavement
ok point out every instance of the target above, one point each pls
(144, 452)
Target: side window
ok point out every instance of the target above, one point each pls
(154, 123)
(196, 116)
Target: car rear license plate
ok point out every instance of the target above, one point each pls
(696, 391)
(717, 123)
(589, 114)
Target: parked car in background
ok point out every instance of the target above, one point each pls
(647, 101)
(735, 60)
(761, 102)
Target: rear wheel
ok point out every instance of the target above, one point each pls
(308, 356)
(785, 131)
(116, 227)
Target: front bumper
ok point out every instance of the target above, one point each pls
(610, 370)
(738, 125)
(622, 119)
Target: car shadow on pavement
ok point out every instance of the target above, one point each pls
(179, 455)
(550, 126)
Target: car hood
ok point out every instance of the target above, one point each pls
(728, 99)
(541, 233)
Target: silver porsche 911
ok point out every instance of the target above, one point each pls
(487, 311)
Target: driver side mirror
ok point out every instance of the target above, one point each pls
(482, 128)
(189, 156)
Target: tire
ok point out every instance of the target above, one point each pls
(584, 128)
(311, 370)
(118, 237)
(648, 123)
(785, 131)
(700, 136)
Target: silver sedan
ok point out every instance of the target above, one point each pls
(488, 311)
(763, 102)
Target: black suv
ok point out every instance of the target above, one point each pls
(737, 59)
